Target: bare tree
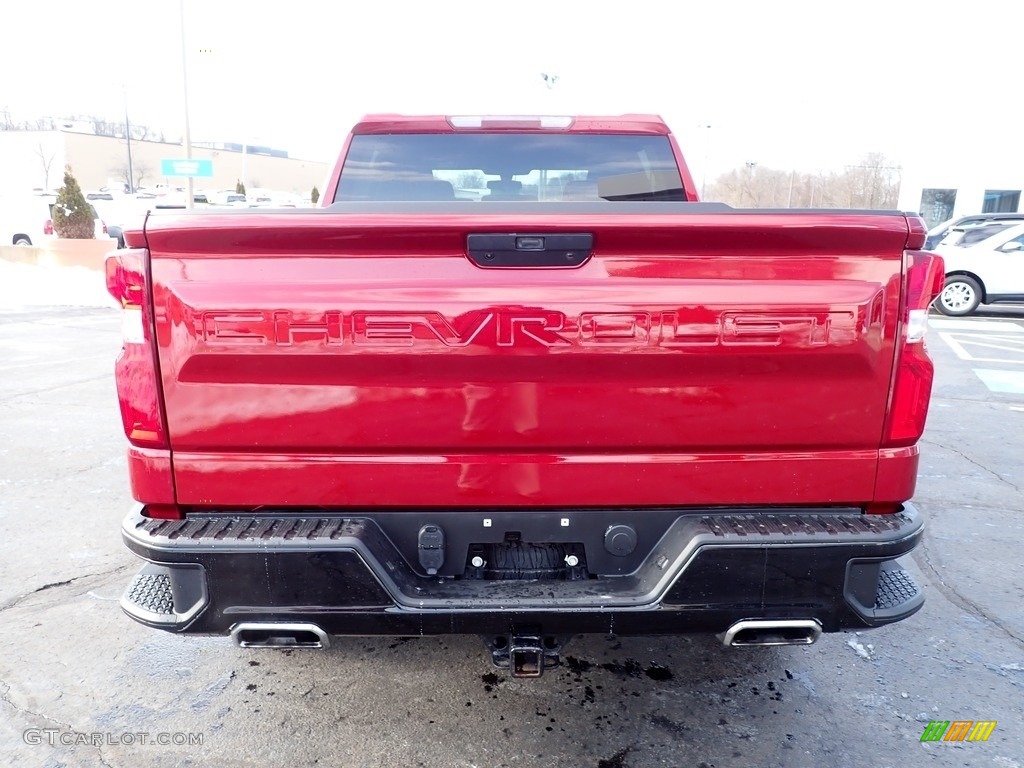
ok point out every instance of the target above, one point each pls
(103, 127)
(752, 186)
(872, 183)
(47, 161)
(139, 170)
(471, 180)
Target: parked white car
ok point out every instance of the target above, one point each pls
(28, 220)
(937, 233)
(988, 272)
(229, 197)
(971, 234)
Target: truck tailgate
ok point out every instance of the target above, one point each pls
(318, 358)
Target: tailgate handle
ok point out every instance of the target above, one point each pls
(531, 250)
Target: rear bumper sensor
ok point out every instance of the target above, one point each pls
(345, 575)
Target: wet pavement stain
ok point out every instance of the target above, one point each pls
(615, 761)
(578, 666)
(491, 681)
(631, 668)
(658, 673)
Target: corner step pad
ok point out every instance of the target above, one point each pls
(896, 587)
(152, 593)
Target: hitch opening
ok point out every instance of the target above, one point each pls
(526, 658)
(526, 654)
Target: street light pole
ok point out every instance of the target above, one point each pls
(190, 199)
(128, 138)
(707, 154)
(542, 191)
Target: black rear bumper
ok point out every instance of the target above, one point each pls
(692, 571)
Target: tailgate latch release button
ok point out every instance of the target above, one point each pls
(431, 548)
(529, 243)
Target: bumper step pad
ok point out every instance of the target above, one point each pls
(168, 598)
(151, 592)
(896, 588)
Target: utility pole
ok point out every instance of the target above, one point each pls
(542, 186)
(128, 138)
(707, 154)
(755, 199)
(190, 199)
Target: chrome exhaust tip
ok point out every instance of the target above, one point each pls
(772, 632)
(272, 634)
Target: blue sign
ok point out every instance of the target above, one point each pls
(186, 167)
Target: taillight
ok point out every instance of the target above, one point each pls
(135, 370)
(914, 373)
(48, 227)
(104, 226)
(163, 512)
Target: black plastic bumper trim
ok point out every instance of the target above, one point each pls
(343, 574)
(201, 537)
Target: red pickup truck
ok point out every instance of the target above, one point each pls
(513, 379)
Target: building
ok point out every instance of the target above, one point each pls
(982, 180)
(234, 146)
(36, 159)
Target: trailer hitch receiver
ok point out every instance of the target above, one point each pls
(526, 654)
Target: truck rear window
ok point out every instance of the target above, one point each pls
(508, 166)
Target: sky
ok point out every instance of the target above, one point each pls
(791, 85)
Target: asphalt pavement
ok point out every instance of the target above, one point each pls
(82, 685)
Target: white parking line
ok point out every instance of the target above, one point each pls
(975, 325)
(1007, 382)
(993, 342)
(1012, 344)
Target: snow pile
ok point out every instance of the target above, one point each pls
(28, 285)
(864, 651)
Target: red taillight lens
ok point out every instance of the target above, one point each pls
(914, 373)
(164, 512)
(126, 280)
(917, 233)
(913, 389)
(135, 370)
(48, 227)
(926, 275)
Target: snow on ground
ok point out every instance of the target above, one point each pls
(28, 285)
